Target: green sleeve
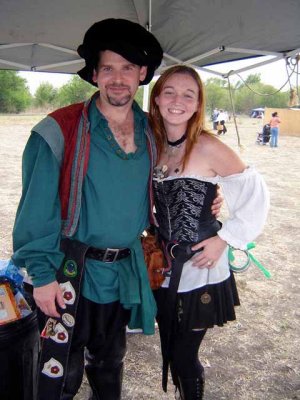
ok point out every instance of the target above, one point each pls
(36, 233)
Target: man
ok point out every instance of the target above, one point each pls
(86, 177)
(221, 119)
(214, 118)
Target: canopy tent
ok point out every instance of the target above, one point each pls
(257, 112)
(43, 36)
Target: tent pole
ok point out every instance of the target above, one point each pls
(150, 16)
(177, 61)
(260, 64)
(14, 64)
(254, 52)
(61, 64)
(145, 97)
(233, 113)
(205, 55)
(146, 87)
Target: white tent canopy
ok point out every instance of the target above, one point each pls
(43, 36)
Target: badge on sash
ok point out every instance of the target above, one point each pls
(69, 294)
(68, 320)
(61, 335)
(70, 268)
(53, 368)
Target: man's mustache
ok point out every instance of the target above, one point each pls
(117, 85)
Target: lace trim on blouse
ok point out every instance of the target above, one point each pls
(213, 179)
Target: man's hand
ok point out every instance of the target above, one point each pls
(212, 251)
(46, 296)
(217, 204)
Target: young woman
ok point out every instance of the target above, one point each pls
(200, 290)
(274, 124)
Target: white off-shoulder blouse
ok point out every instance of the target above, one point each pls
(247, 198)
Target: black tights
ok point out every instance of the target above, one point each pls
(184, 361)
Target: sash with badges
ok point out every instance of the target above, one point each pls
(56, 336)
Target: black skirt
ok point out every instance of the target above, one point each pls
(194, 313)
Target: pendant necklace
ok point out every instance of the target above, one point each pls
(174, 146)
(206, 297)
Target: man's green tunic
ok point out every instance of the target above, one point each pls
(114, 212)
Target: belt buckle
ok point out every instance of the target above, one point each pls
(107, 254)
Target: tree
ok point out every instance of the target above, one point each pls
(217, 95)
(246, 99)
(75, 91)
(253, 79)
(45, 95)
(140, 94)
(14, 95)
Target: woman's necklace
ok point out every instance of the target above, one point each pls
(177, 142)
(174, 146)
(174, 155)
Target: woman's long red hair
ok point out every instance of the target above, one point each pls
(195, 125)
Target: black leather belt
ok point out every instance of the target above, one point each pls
(107, 255)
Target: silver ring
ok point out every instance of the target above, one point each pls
(209, 263)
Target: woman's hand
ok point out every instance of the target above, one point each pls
(212, 251)
(217, 204)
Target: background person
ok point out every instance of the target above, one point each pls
(215, 118)
(221, 119)
(274, 124)
(200, 292)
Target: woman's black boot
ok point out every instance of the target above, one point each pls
(192, 388)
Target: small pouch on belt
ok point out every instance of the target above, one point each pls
(155, 260)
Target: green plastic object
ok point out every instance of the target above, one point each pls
(250, 259)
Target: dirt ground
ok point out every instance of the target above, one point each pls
(257, 356)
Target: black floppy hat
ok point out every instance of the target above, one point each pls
(129, 39)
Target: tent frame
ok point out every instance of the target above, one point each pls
(168, 60)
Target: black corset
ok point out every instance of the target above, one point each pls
(183, 207)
